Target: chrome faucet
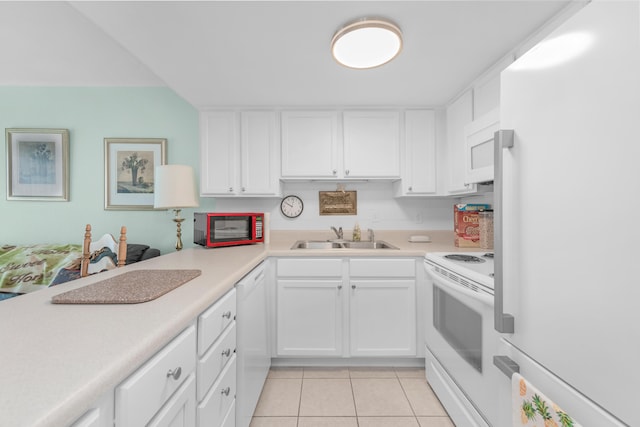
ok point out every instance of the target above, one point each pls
(338, 232)
(372, 236)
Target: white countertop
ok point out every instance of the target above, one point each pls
(57, 360)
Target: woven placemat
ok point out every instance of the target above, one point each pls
(132, 287)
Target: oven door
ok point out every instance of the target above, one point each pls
(460, 336)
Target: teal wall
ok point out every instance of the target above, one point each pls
(92, 114)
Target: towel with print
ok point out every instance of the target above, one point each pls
(530, 408)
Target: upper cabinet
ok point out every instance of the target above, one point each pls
(239, 153)
(419, 159)
(313, 147)
(310, 144)
(459, 115)
(371, 144)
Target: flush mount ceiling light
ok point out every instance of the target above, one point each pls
(366, 43)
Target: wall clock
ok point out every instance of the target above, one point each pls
(291, 206)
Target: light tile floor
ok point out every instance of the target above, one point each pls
(348, 397)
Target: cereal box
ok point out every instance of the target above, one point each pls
(465, 224)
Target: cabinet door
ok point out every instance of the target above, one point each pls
(383, 317)
(371, 144)
(219, 149)
(180, 410)
(309, 144)
(459, 114)
(309, 317)
(419, 174)
(259, 153)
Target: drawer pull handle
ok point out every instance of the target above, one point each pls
(175, 373)
(227, 314)
(226, 391)
(226, 352)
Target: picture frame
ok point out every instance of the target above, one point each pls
(338, 202)
(129, 169)
(37, 164)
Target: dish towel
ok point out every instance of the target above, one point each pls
(531, 408)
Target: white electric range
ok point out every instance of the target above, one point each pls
(460, 338)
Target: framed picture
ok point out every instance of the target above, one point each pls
(338, 202)
(37, 164)
(129, 166)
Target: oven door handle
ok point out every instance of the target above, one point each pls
(444, 283)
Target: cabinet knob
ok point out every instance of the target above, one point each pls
(175, 373)
(226, 391)
(339, 287)
(346, 172)
(353, 286)
(226, 352)
(410, 188)
(226, 315)
(335, 172)
(243, 189)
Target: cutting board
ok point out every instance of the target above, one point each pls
(132, 287)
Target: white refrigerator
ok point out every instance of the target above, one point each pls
(567, 226)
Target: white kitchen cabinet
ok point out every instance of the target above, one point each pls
(162, 388)
(459, 115)
(419, 171)
(216, 368)
(367, 147)
(179, 411)
(371, 144)
(382, 315)
(309, 317)
(310, 144)
(240, 154)
(358, 307)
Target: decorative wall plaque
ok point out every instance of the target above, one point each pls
(338, 202)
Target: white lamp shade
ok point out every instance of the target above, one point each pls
(174, 187)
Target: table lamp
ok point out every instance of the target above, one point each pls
(174, 188)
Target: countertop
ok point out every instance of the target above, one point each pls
(57, 360)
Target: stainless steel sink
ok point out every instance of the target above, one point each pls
(378, 244)
(328, 244)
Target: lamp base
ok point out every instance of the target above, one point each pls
(178, 222)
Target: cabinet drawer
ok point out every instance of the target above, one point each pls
(215, 405)
(382, 267)
(316, 267)
(215, 359)
(140, 396)
(215, 319)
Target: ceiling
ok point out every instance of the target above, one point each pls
(261, 53)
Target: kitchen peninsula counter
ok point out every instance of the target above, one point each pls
(58, 359)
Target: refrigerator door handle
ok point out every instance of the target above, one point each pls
(503, 322)
(506, 365)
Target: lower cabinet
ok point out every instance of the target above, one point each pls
(309, 320)
(358, 307)
(190, 382)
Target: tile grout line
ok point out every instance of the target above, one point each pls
(353, 395)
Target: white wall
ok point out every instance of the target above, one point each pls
(377, 209)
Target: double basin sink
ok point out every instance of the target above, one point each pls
(341, 244)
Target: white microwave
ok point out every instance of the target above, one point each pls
(479, 147)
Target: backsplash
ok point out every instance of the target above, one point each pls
(377, 209)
